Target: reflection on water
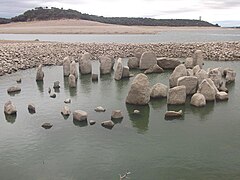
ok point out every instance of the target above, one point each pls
(14, 93)
(203, 112)
(40, 86)
(80, 123)
(11, 118)
(141, 120)
(73, 91)
(86, 83)
(158, 103)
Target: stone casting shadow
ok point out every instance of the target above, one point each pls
(40, 86)
(80, 123)
(11, 118)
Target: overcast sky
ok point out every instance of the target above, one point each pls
(209, 10)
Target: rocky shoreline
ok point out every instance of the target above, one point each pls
(24, 55)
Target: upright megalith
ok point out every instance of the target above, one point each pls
(147, 60)
(105, 64)
(72, 81)
(85, 65)
(207, 90)
(190, 82)
(177, 95)
(178, 72)
(119, 70)
(198, 58)
(126, 73)
(189, 62)
(201, 75)
(66, 66)
(216, 76)
(10, 108)
(40, 73)
(73, 69)
(133, 62)
(139, 93)
(159, 90)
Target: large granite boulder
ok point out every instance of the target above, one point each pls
(66, 66)
(40, 73)
(178, 72)
(159, 90)
(119, 70)
(10, 108)
(168, 63)
(207, 90)
(85, 65)
(198, 100)
(125, 73)
(73, 69)
(139, 92)
(147, 60)
(201, 75)
(105, 64)
(72, 81)
(198, 58)
(177, 95)
(189, 63)
(80, 115)
(213, 85)
(190, 82)
(154, 69)
(133, 62)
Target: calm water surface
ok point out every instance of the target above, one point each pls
(163, 37)
(204, 144)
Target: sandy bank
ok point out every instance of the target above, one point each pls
(85, 27)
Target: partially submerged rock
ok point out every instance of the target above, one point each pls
(66, 111)
(168, 63)
(173, 114)
(108, 124)
(154, 69)
(159, 90)
(99, 109)
(133, 62)
(53, 95)
(136, 111)
(190, 82)
(85, 65)
(117, 114)
(80, 115)
(229, 74)
(222, 96)
(198, 58)
(10, 108)
(177, 95)
(67, 101)
(40, 73)
(92, 122)
(19, 80)
(119, 70)
(47, 125)
(198, 100)
(147, 60)
(72, 81)
(105, 64)
(207, 90)
(73, 69)
(56, 85)
(125, 73)
(66, 66)
(178, 72)
(31, 108)
(13, 89)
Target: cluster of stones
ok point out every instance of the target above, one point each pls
(24, 55)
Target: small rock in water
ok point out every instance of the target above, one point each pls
(108, 124)
(80, 115)
(47, 125)
(135, 111)
(9, 108)
(66, 111)
(67, 101)
(173, 114)
(222, 96)
(100, 109)
(117, 114)
(31, 108)
(92, 122)
(19, 80)
(56, 84)
(13, 89)
(53, 95)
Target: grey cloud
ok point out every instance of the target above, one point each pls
(221, 4)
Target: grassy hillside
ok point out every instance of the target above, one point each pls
(40, 13)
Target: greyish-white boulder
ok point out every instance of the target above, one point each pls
(168, 63)
(105, 64)
(201, 75)
(222, 96)
(212, 84)
(119, 70)
(189, 62)
(73, 69)
(190, 82)
(100, 109)
(138, 52)
(159, 90)
(139, 92)
(125, 73)
(116, 114)
(66, 66)
(196, 69)
(154, 69)
(177, 95)
(80, 115)
(13, 89)
(198, 100)
(198, 58)
(85, 64)
(108, 124)
(229, 75)
(10, 108)
(178, 72)
(216, 76)
(189, 72)
(66, 111)
(40, 73)
(133, 62)
(72, 81)
(67, 101)
(207, 90)
(147, 60)
(173, 113)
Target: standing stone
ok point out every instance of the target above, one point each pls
(73, 69)
(147, 60)
(159, 90)
(196, 69)
(189, 72)
(178, 72)
(168, 63)
(80, 115)
(119, 70)
(72, 81)
(201, 75)
(105, 64)
(198, 100)
(125, 73)
(133, 62)
(212, 84)
(190, 82)
(189, 62)
(40, 73)
(85, 65)
(9, 108)
(139, 93)
(207, 90)
(154, 69)
(138, 52)
(177, 95)
(198, 58)
(229, 75)
(216, 76)
(66, 66)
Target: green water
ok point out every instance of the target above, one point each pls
(204, 144)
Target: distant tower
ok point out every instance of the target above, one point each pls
(200, 18)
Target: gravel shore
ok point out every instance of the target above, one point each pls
(24, 55)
